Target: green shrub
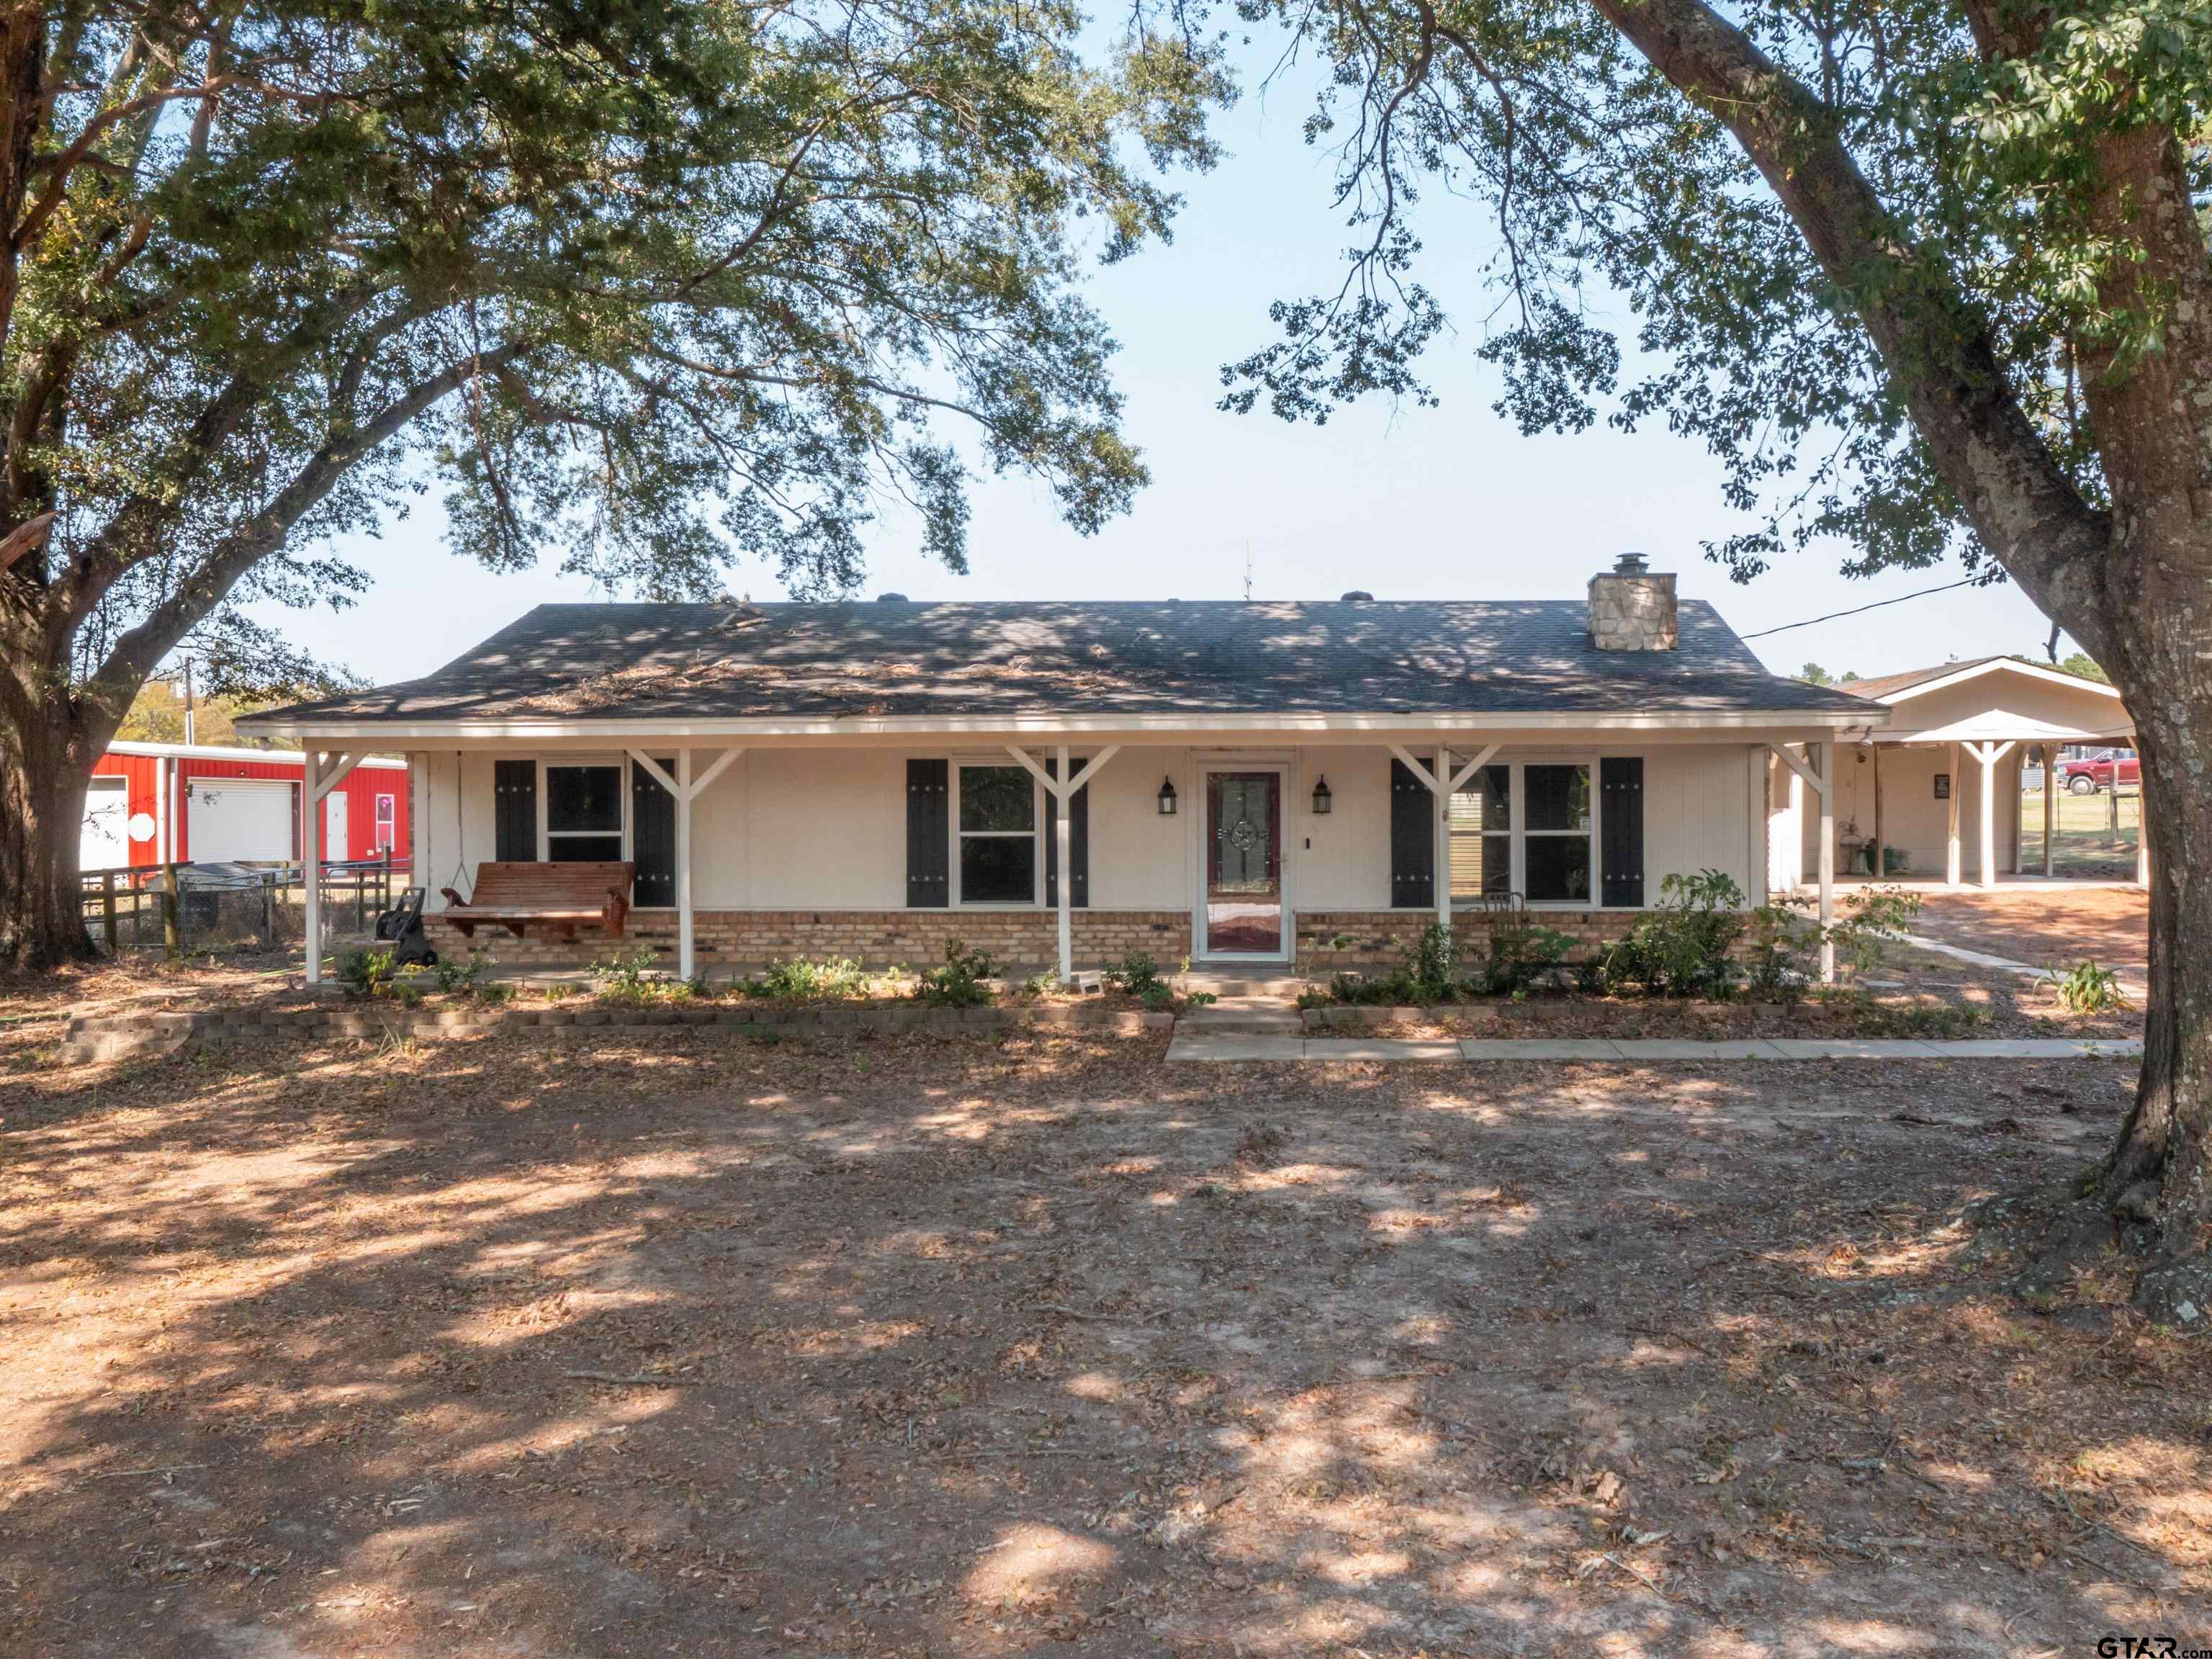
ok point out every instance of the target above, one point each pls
(960, 982)
(367, 973)
(1156, 995)
(1204, 999)
(1520, 953)
(1138, 974)
(2087, 989)
(801, 981)
(626, 978)
(460, 976)
(1312, 997)
(1682, 949)
(1430, 963)
(1383, 990)
(1779, 965)
(1874, 919)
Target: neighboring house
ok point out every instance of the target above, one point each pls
(1258, 782)
(152, 803)
(1943, 775)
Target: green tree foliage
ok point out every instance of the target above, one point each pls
(655, 284)
(2082, 663)
(1813, 674)
(1931, 278)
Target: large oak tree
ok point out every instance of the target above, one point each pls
(1930, 276)
(656, 281)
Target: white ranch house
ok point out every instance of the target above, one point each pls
(1301, 784)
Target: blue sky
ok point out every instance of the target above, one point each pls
(1449, 502)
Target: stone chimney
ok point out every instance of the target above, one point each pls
(1631, 608)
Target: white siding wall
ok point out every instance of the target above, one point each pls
(794, 829)
(1348, 866)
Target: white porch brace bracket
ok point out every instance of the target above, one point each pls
(1989, 754)
(1813, 781)
(1818, 777)
(341, 765)
(1062, 789)
(685, 789)
(1442, 783)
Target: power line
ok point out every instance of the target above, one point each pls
(1970, 581)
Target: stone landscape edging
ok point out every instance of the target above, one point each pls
(90, 1038)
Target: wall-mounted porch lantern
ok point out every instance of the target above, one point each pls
(1167, 797)
(1322, 798)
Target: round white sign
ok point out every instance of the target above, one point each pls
(141, 826)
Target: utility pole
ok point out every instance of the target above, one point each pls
(188, 701)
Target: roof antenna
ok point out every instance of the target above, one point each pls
(1247, 570)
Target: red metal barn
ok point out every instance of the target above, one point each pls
(153, 802)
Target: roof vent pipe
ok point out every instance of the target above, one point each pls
(1357, 596)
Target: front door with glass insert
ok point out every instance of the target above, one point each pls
(1243, 864)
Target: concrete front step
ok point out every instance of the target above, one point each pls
(1245, 1016)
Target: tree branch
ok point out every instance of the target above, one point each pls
(1935, 344)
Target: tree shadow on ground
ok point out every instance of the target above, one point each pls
(900, 1346)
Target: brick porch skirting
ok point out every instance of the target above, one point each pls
(1023, 940)
(1332, 939)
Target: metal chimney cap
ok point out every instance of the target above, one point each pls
(1631, 564)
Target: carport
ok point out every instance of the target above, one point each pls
(1957, 738)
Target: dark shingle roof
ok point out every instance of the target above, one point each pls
(569, 662)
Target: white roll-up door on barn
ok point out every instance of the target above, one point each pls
(245, 820)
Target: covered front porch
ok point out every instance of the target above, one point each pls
(1934, 794)
(1273, 847)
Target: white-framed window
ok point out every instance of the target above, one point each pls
(1528, 827)
(995, 820)
(583, 811)
(386, 809)
(1482, 834)
(1558, 839)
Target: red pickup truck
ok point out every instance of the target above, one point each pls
(2101, 771)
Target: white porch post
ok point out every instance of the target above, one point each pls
(1063, 785)
(1757, 809)
(1986, 867)
(2050, 806)
(1952, 861)
(1874, 761)
(683, 952)
(1826, 751)
(1442, 802)
(2143, 828)
(310, 857)
(1063, 836)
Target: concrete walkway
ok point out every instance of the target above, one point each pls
(1229, 1047)
(2135, 989)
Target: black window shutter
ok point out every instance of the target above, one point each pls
(514, 811)
(653, 837)
(1078, 843)
(928, 884)
(1413, 840)
(1620, 835)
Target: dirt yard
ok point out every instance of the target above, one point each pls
(902, 1346)
(2045, 926)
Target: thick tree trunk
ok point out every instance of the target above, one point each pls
(2156, 1177)
(43, 778)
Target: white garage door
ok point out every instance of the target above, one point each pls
(104, 843)
(241, 819)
